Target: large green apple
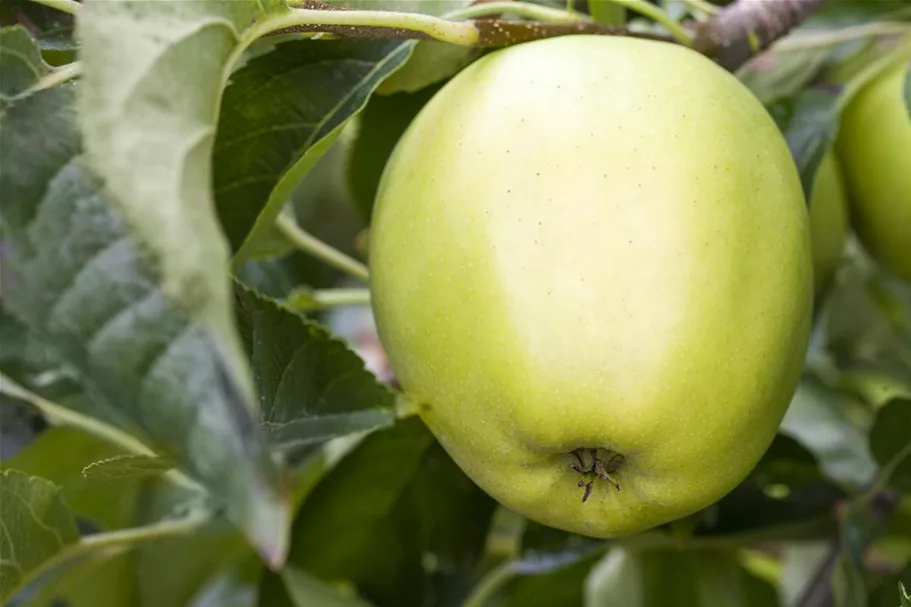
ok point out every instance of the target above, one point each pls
(874, 144)
(591, 269)
(828, 222)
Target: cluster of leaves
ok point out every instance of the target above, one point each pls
(211, 444)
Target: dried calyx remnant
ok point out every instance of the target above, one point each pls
(595, 463)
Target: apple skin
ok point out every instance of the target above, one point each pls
(828, 223)
(595, 242)
(874, 146)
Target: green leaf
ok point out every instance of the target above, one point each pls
(432, 61)
(127, 466)
(907, 89)
(273, 126)
(36, 527)
(391, 504)
(59, 455)
(774, 75)
(308, 591)
(607, 12)
(83, 283)
(381, 124)
(53, 29)
(20, 62)
(312, 387)
(810, 128)
(564, 586)
(104, 579)
(818, 419)
(848, 588)
(672, 578)
(890, 442)
(903, 595)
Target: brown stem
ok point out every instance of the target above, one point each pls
(747, 27)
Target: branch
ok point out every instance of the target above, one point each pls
(747, 27)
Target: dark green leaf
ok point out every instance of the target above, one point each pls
(274, 127)
(100, 580)
(810, 131)
(848, 588)
(53, 29)
(36, 527)
(308, 591)
(311, 386)
(391, 504)
(563, 586)
(83, 284)
(903, 595)
(818, 419)
(127, 466)
(672, 578)
(381, 124)
(59, 455)
(890, 442)
(907, 89)
(786, 462)
(20, 62)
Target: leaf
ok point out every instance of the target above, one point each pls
(35, 526)
(395, 501)
(59, 455)
(607, 12)
(563, 586)
(274, 125)
(817, 418)
(658, 578)
(890, 442)
(104, 579)
(848, 588)
(907, 89)
(127, 466)
(431, 61)
(98, 298)
(775, 75)
(312, 387)
(380, 126)
(903, 595)
(53, 29)
(810, 128)
(307, 591)
(20, 62)
(786, 462)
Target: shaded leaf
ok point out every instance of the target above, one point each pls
(658, 578)
(817, 419)
(890, 441)
(564, 586)
(100, 580)
(59, 455)
(307, 591)
(380, 126)
(20, 62)
(52, 29)
(127, 466)
(311, 386)
(99, 300)
(280, 114)
(431, 61)
(809, 122)
(35, 526)
(848, 588)
(389, 505)
(907, 89)
(903, 595)
(786, 462)
(775, 75)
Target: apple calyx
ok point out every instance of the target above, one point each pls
(602, 463)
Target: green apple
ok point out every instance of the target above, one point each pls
(591, 270)
(828, 222)
(874, 145)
